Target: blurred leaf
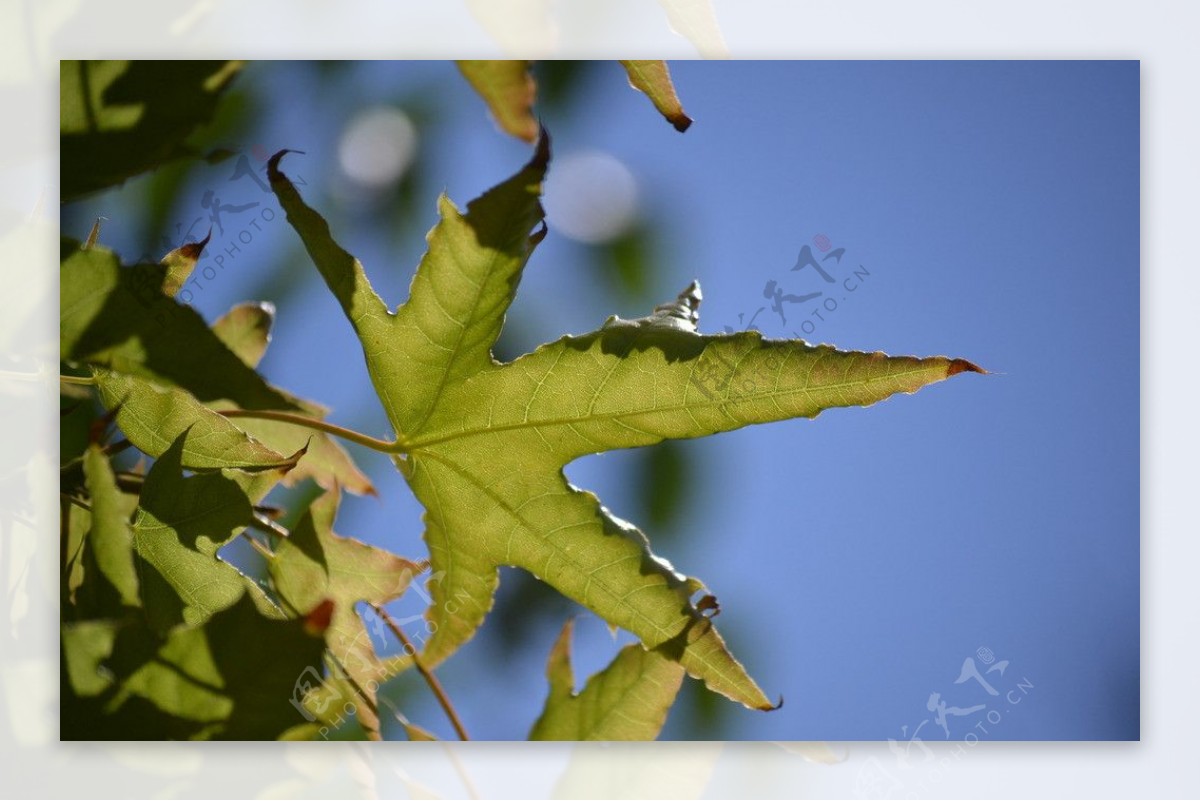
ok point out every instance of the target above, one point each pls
(120, 118)
(818, 753)
(628, 700)
(232, 678)
(559, 80)
(696, 21)
(509, 91)
(523, 607)
(652, 79)
(484, 443)
(314, 565)
(629, 771)
(629, 262)
(521, 26)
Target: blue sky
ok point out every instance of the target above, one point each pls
(988, 210)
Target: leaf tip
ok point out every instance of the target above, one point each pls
(773, 707)
(192, 250)
(963, 366)
(93, 235)
(541, 152)
(291, 461)
(273, 173)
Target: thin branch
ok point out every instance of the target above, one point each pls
(368, 702)
(425, 672)
(383, 446)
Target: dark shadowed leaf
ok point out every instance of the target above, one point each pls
(232, 678)
(120, 118)
(121, 318)
(180, 524)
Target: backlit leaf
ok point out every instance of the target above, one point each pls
(654, 80)
(154, 417)
(246, 330)
(628, 700)
(509, 91)
(483, 444)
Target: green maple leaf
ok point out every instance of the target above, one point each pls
(483, 444)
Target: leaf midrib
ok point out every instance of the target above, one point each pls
(421, 446)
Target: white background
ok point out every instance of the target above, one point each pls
(34, 34)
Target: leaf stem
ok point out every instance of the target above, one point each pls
(430, 679)
(383, 446)
(81, 380)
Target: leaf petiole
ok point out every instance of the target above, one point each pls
(430, 679)
(383, 446)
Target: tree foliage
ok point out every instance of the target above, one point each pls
(162, 637)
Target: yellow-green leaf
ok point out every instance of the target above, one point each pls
(628, 700)
(246, 330)
(179, 263)
(154, 417)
